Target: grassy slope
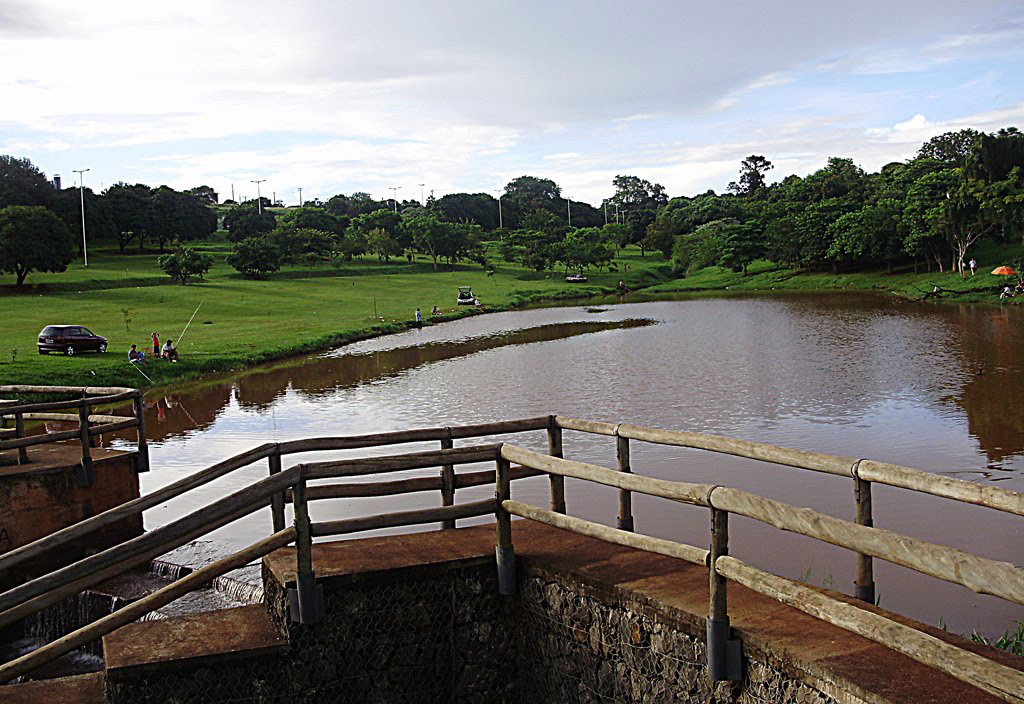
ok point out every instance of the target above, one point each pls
(242, 321)
(764, 275)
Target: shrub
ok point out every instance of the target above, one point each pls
(185, 263)
(255, 257)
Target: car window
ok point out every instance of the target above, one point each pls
(50, 330)
(85, 331)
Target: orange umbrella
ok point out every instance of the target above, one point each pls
(1004, 271)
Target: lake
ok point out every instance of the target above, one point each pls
(936, 387)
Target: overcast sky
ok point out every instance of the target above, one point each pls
(336, 97)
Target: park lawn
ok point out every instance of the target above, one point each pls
(240, 321)
(765, 276)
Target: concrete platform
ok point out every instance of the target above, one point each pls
(673, 590)
(80, 689)
(193, 640)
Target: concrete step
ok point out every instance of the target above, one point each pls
(166, 653)
(80, 689)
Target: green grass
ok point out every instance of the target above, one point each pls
(242, 321)
(767, 276)
(1012, 641)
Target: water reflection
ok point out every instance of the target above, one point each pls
(929, 386)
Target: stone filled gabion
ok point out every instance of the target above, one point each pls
(445, 635)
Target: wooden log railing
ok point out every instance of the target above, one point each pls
(90, 425)
(864, 472)
(979, 574)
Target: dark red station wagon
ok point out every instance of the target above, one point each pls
(70, 339)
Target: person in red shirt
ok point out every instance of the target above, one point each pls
(156, 345)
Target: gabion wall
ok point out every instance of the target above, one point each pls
(440, 635)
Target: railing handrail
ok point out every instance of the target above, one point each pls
(979, 574)
(868, 470)
(243, 459)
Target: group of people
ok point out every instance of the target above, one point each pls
(1011, 292)
(168, 351)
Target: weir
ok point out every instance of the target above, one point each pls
(550, 607)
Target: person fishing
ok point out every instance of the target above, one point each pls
(136, 356)
(170, 353)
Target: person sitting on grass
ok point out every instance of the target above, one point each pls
(135, 356)
(170, 353)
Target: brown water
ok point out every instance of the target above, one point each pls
(937, 387)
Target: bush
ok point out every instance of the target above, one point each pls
(184, 264)
(255, 257)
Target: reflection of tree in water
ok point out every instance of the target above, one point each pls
(319, 376)
(993, 396)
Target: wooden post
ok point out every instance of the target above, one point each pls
(448, 480)
(557, 481)
(306, 600)
(84, 474)
(19, 432)
(864, 585)
(625, 495)
(277, 499)
(503, 550)
(724, 661)
(142, 459)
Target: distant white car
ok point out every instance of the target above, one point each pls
(466, 297)
(576, 278)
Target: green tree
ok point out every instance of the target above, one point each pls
(185, 263)
(701, 248)
(32, 238)
(585, 247)
(255, 257)
(751, 181)
(204, 193)
(246, 221)
(381, 243)
(638, 201)
(951, 149)
(22, 183)
(131, 208)
(430, 236)
(179, 217)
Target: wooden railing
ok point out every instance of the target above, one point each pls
(283, 486)
(981, 575)
(90, 425)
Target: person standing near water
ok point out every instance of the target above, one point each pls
(419, 318)
(973, 264)
(156, 345)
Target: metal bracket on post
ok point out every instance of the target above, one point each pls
(306, 601)
(725, 654)
(504, 553)
(864, 583)
(83, 473)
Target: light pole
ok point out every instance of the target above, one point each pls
(606, 212)
(300, 197)
(81, 197)
(259, 198)
(501, 225)
(394, 196)
(422, 202)
(568, 211)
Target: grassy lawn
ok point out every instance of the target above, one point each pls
(763, 276)
(241, 321)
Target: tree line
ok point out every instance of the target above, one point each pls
(961, 188)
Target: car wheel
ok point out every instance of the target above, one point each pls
(103, 347)
(70, 350)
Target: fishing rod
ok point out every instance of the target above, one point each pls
(136, 368)
(190, 321)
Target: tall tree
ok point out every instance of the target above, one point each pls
(21, 183)
(751, 181)
(131, 208)
(950, 148)
(246, 220)
(32, 238)
(639, 200)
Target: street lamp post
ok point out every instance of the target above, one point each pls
(300, 197)
(422, 202)
(259, 198)
(394, 196)
(568, 211)
(501, 225)
(81, 197)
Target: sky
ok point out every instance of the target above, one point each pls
(463, 96)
